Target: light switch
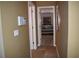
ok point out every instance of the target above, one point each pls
(16, 33)
(21, 20)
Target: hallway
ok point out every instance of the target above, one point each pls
(49, 18)
(47, 40)
(46, 50)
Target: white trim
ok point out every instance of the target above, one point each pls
(32, 26)
(39, 26)
(30, 29)
(54, 43)
(57, 52)
(45, 6)
(39, 21)
(2, 54)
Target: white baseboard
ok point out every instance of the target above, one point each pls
(38, 44)
(57, 52)
(54, 45)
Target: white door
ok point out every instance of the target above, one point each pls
(32, 25)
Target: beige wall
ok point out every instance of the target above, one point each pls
(62, 33)
(46, 3)
(14, 46)
(73, 29)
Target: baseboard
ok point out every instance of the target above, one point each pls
(30, 53)
(38, 44)
(57, 52)
(54, 45)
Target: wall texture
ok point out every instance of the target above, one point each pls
(62, 33)
(73, 29)
(14, 46)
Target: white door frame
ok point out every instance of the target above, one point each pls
(39, 24)
(2, 54)
(32, 26)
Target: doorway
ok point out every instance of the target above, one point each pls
(46, 25)
(46, 29)
(32, 27)
(46, 33)
(45, 18)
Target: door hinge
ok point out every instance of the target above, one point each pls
(33, 42)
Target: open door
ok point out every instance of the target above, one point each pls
(32, 25)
